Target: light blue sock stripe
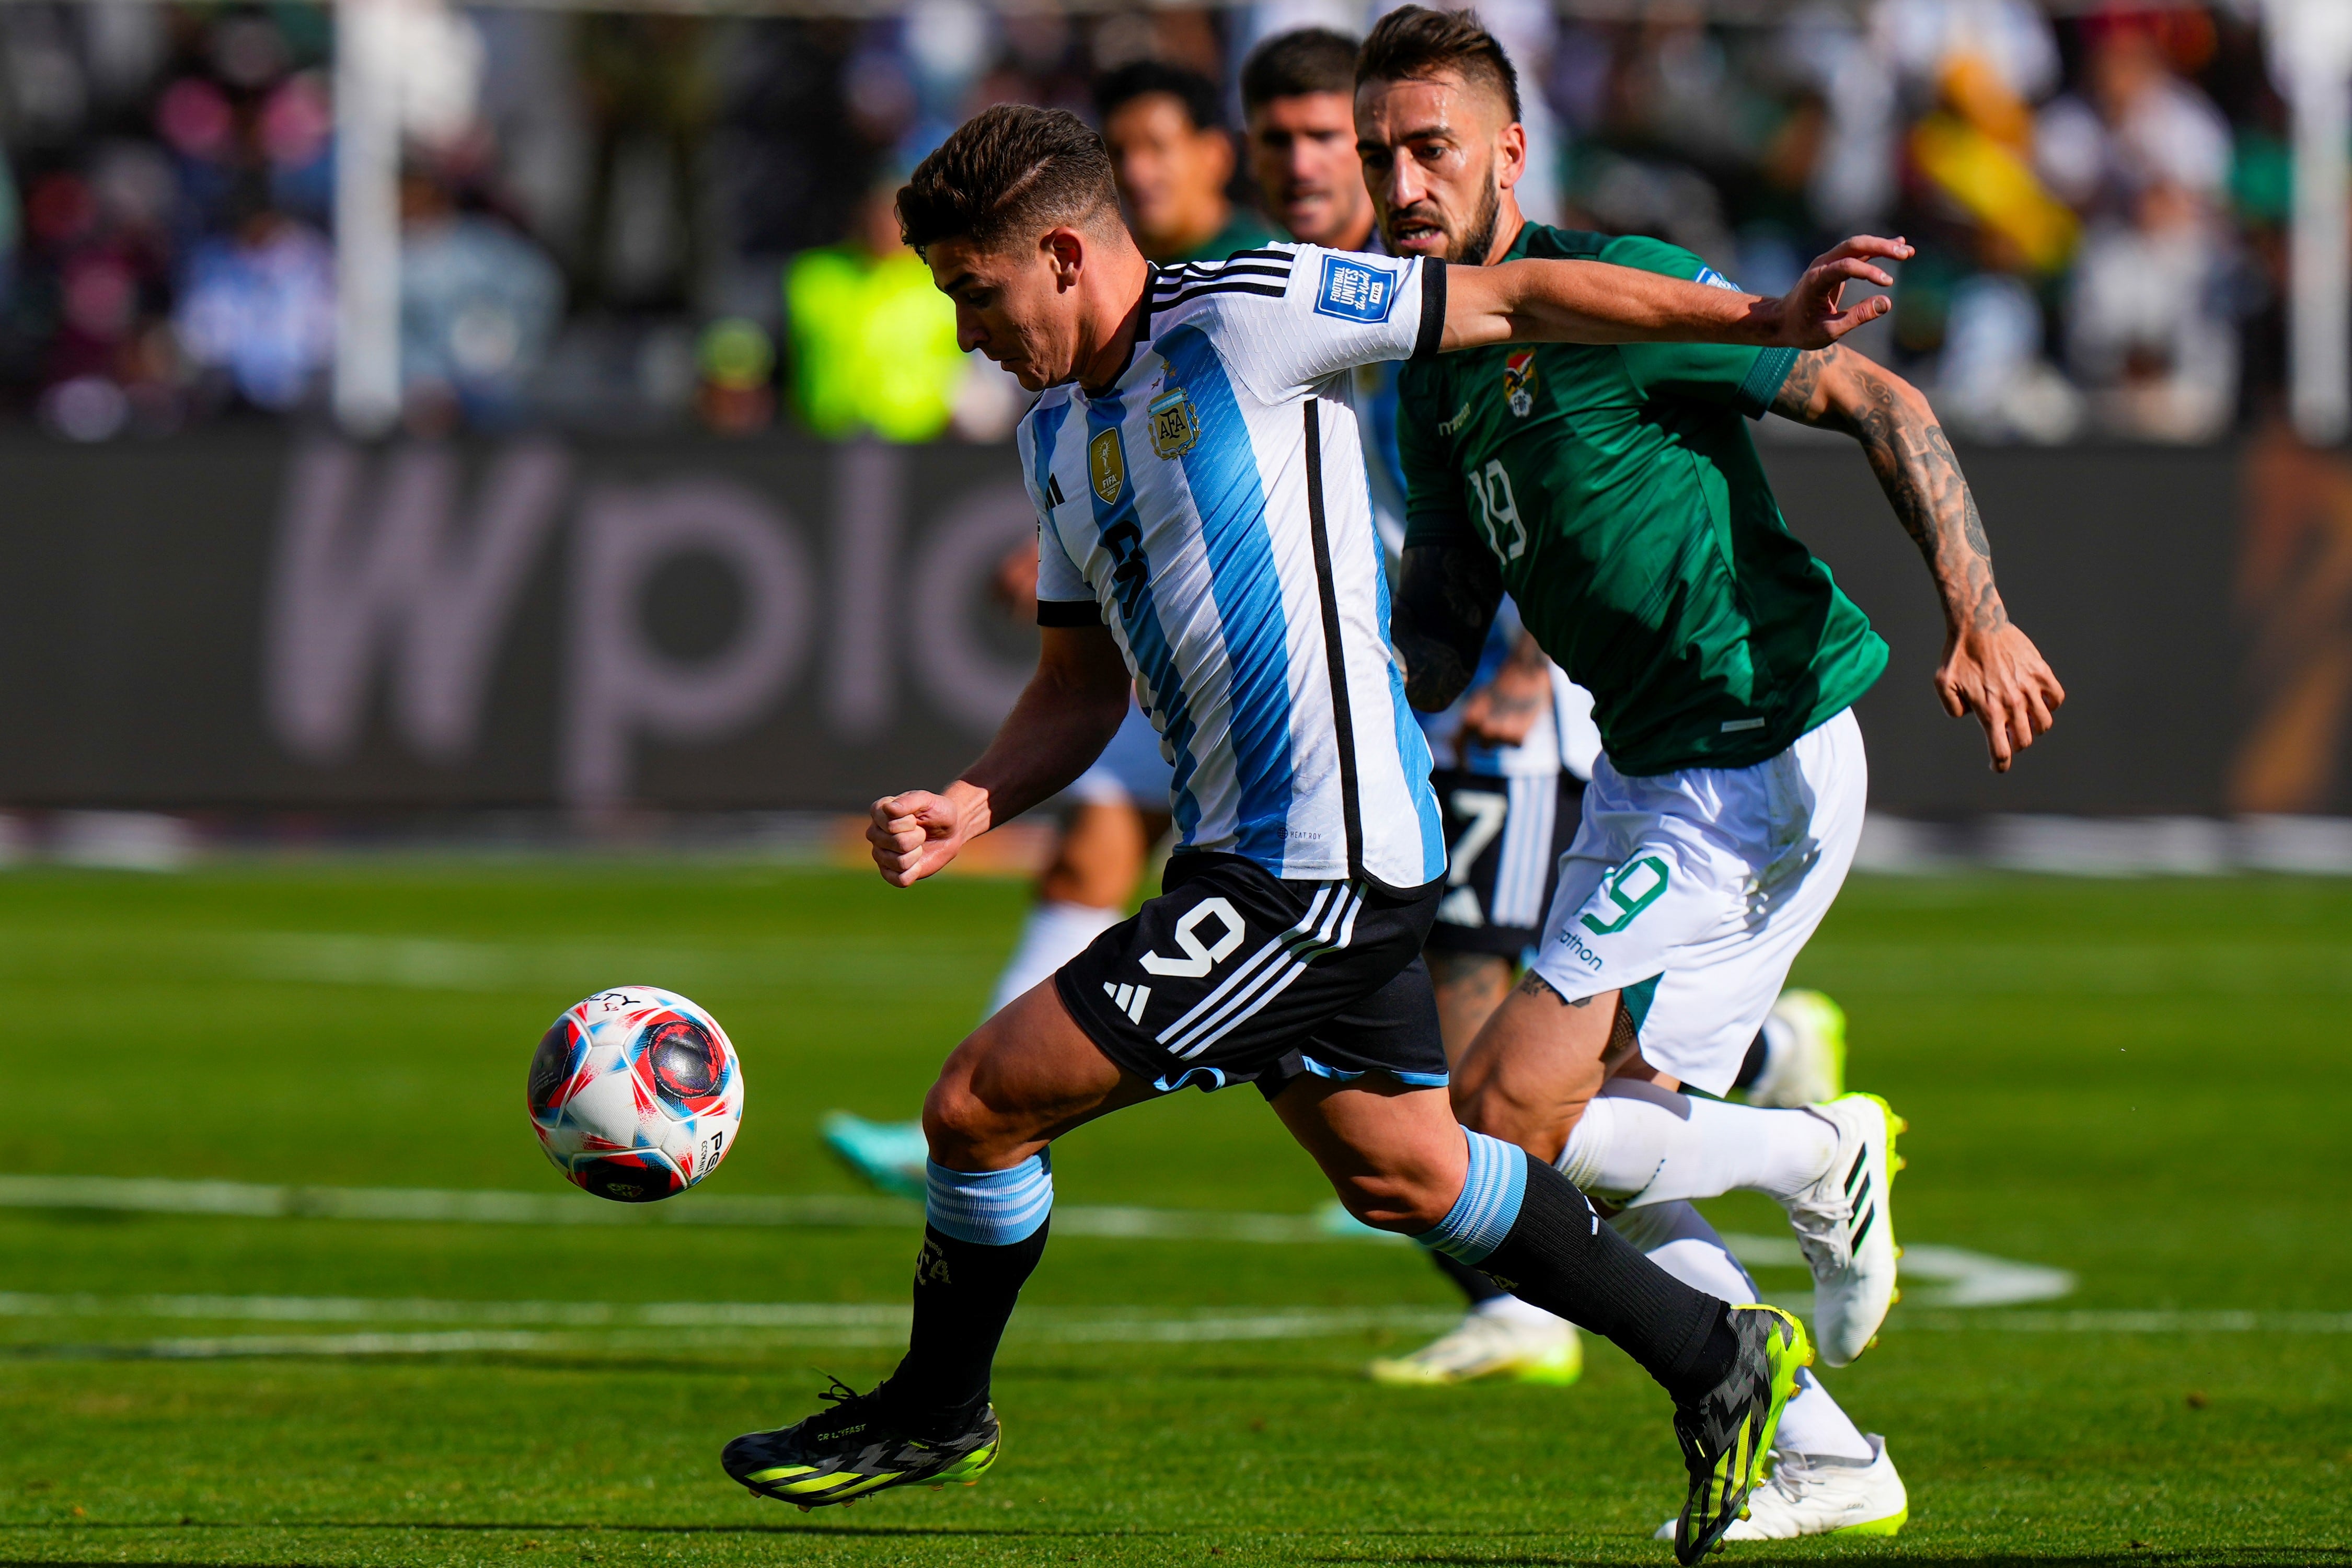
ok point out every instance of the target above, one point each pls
(990, 1208)
(1490, 1205)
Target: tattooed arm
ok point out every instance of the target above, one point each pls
(1990, 668)
(1446, 598)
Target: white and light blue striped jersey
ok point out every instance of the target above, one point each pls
(1212, 509)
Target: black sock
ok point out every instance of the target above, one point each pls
(1473, 1284)
(964, 1293)
(1751, 1066)
(1560, 1257)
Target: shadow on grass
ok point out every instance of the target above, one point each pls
(2146, 1557)
(1501, 1556)
(576, 1527)
(783, 1364)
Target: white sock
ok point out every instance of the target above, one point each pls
(1678, 1239)
(1054, 934)
(1779, 1035)
(1638, 1142)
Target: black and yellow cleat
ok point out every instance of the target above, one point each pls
(1726, 1435)
(852, 1451)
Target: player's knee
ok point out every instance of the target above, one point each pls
(1408, 1204)
(1492, 1104)
(958, 1124)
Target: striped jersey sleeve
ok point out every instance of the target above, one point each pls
(1290, 316)
(1065, 598)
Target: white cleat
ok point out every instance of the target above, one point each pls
(1526, 1347)
(1808, 1065)
(1847, 1227)
(1823, 1496)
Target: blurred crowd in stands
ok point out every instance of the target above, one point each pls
(618, 221)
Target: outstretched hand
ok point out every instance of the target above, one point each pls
(1504, 711)
(914, 834)
(1998, 675)
(1811, 315)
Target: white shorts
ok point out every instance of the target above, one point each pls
(1692, 892)
(1130, 770)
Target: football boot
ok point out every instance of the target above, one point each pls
(1845, 1226)
(1519, 1346)
(852, 1450)
(1726, 1435)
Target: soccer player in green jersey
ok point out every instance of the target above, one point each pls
(1615, 493)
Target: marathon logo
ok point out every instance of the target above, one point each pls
(1584, 955)
(1355, 292)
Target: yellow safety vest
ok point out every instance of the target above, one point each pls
(873, 345)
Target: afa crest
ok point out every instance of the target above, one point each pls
(1106, 463)
(1175, 425)
(1519, 382)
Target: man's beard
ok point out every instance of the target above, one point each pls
(1480, 239)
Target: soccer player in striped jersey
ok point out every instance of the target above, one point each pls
(1205, 534)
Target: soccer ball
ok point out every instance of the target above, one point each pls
(635, 1094)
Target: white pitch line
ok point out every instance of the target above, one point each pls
(2088, 1321)
(674, 1327)
(438, 963)
(156, 1196)
(1941, 1275)
(651, 1326)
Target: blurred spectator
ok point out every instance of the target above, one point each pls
(872, 341)
(738, 362)
(258, 304)
(1174, 162)
(650, 103)
(2150, 335)
(2098, 192)
(479, 306)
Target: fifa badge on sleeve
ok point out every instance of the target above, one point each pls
(1355, 291)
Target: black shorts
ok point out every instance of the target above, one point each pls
(1234, 976)
(1504, 839)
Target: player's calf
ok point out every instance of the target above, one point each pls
(1531, 1071)
(1730, 1371)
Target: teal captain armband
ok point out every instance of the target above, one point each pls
(1763, 381)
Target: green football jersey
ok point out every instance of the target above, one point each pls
(1620, 490)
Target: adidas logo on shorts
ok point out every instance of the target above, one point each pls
(1128, 999)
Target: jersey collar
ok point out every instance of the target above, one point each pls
(1144, 338)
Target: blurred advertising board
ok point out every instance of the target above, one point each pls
(269, 621)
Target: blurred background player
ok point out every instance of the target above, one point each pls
(1174, 163)
(1298, 113)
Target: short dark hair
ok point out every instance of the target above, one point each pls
(1202, 104)
(1293, 63)
(1006, 170)
(1413, 43)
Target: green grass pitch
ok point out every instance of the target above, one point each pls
(2142, 1082)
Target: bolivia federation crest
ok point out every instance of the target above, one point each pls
(1175, 425)
(1107, 463)
(1519, 382)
